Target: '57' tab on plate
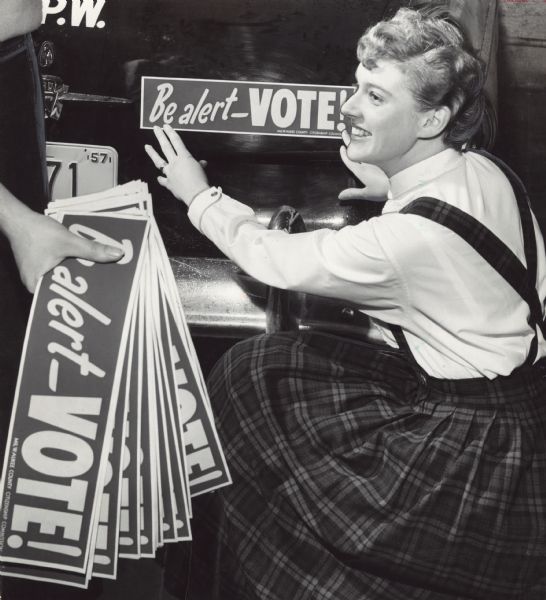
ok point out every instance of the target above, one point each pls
(78, 169)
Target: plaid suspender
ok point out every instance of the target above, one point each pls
(492, 249)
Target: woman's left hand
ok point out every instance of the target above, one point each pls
(376, 183)
(182, 174)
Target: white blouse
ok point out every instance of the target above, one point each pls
(461, 319)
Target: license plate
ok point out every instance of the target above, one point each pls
(77, 169)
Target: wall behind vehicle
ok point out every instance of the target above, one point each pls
(522, 95)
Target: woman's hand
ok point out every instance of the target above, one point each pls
(376, 182)
(183, 176)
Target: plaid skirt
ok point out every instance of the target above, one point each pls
(355, 479)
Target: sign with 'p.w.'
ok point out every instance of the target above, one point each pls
(243, 107)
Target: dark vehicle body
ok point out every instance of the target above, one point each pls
(95, 52)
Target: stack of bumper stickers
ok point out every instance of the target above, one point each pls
(111, 432)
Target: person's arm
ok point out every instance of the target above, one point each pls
(40, 243)
(350, 263)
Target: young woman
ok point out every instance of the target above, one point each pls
(415, 467)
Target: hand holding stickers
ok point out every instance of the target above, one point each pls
(111, 431)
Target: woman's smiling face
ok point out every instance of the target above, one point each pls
(385, 120)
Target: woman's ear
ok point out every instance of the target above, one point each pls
(434, 121)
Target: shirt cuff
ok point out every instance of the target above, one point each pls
(201, 203)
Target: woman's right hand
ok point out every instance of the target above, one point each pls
(182, 175)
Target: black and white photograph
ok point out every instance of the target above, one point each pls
(273, 298)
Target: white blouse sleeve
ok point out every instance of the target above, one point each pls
(350, 264)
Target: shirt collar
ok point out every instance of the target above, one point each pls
(423, 172)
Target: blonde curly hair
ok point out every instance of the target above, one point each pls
(441, 70)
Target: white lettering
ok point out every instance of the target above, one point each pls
(73, 493)
(62, 276)
(229, 101)
(199, 105)
(188, 112)
(80, 451)
(90, 9)
(202, 459)
(71, 316)
(97, 236)
(61, 411)
(207, 477)
(48, 9)
(165, 91)
(86, 307)
(326, 108)
(259, 106)
(58, 548)
(194, 434)
(204, 113)
(48, 520)
(76, 337)
(217, 107)
(284, 108)
(82, 360)
(186, 404)
(306, 98)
